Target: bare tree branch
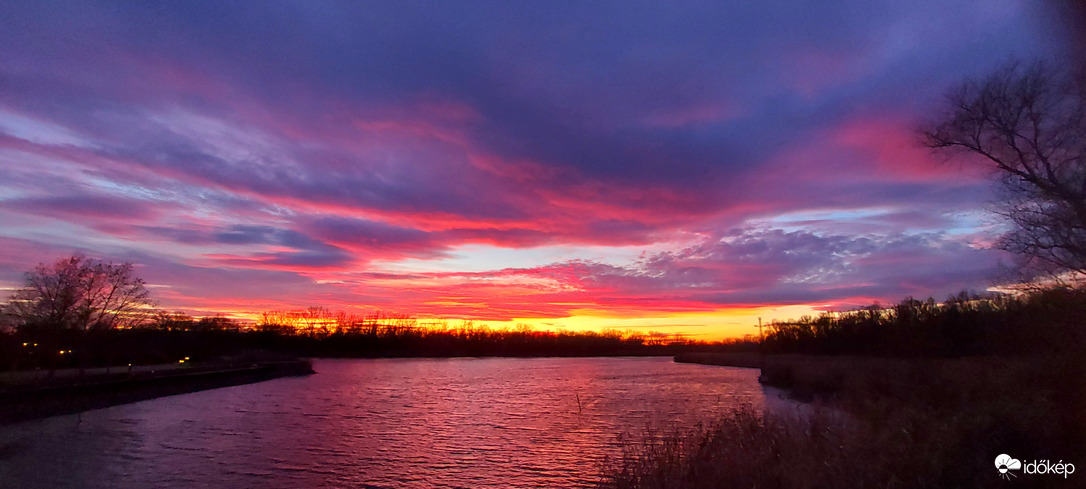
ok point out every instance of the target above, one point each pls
(81, 294)
(1029, 124)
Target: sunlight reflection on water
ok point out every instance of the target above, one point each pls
(495, 422)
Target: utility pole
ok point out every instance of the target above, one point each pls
(761, 349)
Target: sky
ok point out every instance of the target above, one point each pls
(682, 167)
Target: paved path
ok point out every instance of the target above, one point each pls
(24, 377)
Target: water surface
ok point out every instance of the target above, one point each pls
(495, 422)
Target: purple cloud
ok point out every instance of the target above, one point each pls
(769, 149)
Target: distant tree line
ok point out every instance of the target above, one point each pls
(168, 337)
(397, 336)
(1039, 322)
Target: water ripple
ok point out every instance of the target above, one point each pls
(517, 423)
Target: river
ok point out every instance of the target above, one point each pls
(466, 423)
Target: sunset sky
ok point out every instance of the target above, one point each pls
(682, 167)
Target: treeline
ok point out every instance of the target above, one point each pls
(314, 332)
(319, 332)
(1044, 321)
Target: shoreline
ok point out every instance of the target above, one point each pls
(30, 402)
(722, 359)
(36, 397)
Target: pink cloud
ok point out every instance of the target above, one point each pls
(891, 149)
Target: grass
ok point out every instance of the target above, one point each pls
(876, 423)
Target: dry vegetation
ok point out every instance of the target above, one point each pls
(876, 423)
(902, 421)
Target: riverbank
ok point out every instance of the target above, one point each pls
(876, 422)
(945, 381)
(67, 394)
(724, 359)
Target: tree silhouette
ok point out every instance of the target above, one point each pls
(82, 294)
(1028, 124)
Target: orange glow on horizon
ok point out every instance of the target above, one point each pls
(718, 325)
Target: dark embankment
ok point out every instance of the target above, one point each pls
(725, 359)
(80, 393)
(30, 349)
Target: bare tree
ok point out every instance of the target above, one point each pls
(1028, 124)
(80, 294)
